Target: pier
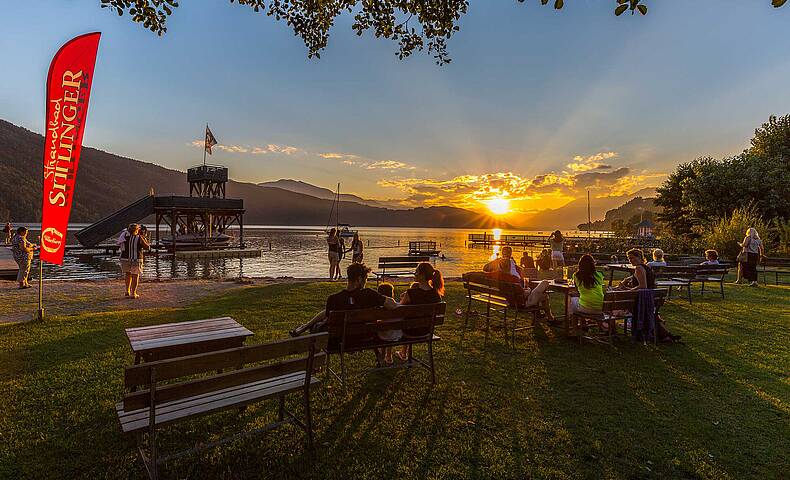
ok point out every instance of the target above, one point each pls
(542, 241)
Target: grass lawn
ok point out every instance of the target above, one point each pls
(716, 407)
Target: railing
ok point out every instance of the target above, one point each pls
(215, 173)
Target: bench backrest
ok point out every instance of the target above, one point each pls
(684, 272)
(353, 326)
(626, 299)
(775, 262)
(480, 282)
(305, 351)
(712, 270)
(402, 263)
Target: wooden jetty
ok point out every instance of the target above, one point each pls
(219, 253)
(423, 247)
(526, 240)
(8, 266)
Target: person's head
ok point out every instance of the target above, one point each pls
(386, 289)
(524, 254)
(507, 252)
(143, 228)
(357, 274)
(557, 235)
(658, 255)
(427, 274)
(21, 231)
(333, 232)
(586, 271)
(711, 255)
(133, 228)
(635, 256)
(752, 233)
(356, 236)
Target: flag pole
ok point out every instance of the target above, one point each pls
(40, 283)
(204, 145)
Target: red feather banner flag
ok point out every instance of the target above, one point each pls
(68, 90)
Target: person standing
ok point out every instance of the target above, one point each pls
(752, 245)
(356, 249)
(557, 243)
(23, 255)
(132, 259)
(7, 232)
(333, 244)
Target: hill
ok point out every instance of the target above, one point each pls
(631, 209)
(575, 212)
(299, 186)
(107, 182)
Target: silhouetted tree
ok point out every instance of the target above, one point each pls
(414, 24)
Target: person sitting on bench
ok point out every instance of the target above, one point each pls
(711, 258)
(355, 296)
(590, 284)
(428, 288)
(505, 270)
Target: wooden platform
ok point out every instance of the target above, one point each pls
(8, 266)
(224, 253)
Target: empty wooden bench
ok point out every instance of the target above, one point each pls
(176, 390)
(778, 266)
(498, 297)
(675, 277)
(357, 330)
(398, 267)
(618, 305)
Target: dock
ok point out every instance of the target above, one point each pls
(423, 247)
(8, 266)
(542, 241)
(220, 253)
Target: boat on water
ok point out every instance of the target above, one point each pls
(196, 240)
(345, 230)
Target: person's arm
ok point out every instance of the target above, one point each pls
(390, 303)
(144, 241)
(491, 266)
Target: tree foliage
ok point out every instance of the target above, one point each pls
(725, 234)
(706, 189)
(415, 25)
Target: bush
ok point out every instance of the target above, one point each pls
(677, 244)
(725, 234)
(780, 230)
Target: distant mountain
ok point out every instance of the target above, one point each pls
(299, 186)
(107, 182)
(625, 212)
(572, 214)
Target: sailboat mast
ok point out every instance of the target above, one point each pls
(337, 200)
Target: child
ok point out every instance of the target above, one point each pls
(711, 258)
(388, 290)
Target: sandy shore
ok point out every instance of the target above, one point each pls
(71, 297)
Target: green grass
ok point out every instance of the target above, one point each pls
(714, 408)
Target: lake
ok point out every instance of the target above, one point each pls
(298, 252)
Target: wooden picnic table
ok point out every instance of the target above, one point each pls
(619, 267)
(170, 340)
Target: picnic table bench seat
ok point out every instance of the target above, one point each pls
(176, 390)
(357, 331)
(398, 267)
(780, 267)
(497, 296)
(617, 307)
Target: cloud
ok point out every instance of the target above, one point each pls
(338, 156)
(356, 160)
(591, 162)
(388, 165)
(269, 148)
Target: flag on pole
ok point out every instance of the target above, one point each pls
(69, 85)
(210, 140)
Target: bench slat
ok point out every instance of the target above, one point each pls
(217, 401)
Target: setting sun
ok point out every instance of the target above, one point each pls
(498, 206)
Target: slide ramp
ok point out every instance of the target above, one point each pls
(112, 224)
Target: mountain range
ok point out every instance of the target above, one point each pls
(108, 182)
(299, 186)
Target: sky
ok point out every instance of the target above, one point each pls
(536, 107)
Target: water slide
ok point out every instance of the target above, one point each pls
(111, 225)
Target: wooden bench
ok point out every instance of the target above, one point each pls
(710, 274)
(398, 267)
(778, 266)
(176, 390)
(677, 277)
(497, 296)
(357, 330)
(617, 306)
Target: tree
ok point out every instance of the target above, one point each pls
(706, 189)
(413, 24)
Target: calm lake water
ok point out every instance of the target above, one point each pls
(298, 252)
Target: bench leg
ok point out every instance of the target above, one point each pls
(430, 360)
(721, 288)
(468, 309)
(308, 416)
(342, 369)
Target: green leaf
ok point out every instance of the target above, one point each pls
(619, 10)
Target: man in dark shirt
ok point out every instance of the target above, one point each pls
(354, 296)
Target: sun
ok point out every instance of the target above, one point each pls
(498, 206)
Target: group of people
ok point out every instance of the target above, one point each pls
(428, 287)
(337, 251)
